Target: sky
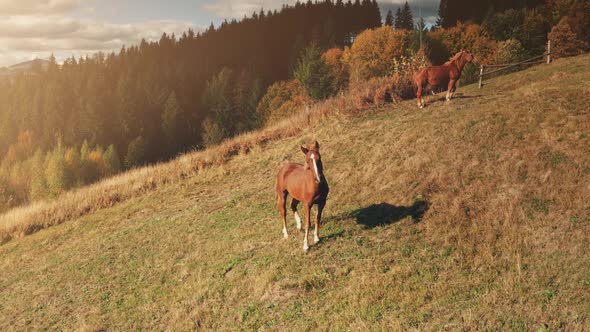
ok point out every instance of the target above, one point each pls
(32, 29)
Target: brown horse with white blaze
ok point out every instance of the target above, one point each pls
(306, 184)
(446, 75)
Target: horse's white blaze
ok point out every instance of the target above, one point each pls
(315, 168)
(297, 220)
(285, 234)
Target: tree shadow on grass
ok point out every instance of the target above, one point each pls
(385, 214)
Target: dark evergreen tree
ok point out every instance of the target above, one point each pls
(442, 10)
(406, 18)
(315, 74)
(452, 11)
(111, 161)
(374, 15)
(398, 19)
(389, 18)
(171, 122)
(135, 153)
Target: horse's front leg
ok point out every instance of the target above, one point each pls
(307, 225)
(419, 96)
(316, 237)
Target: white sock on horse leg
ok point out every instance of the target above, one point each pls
(297, 220)
(285, 234)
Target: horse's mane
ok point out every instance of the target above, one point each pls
(454, 58)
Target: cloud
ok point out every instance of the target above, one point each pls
(238, 8)
(26, 37)
(29, 7)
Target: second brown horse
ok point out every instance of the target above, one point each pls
(446, 75)
(306, 184)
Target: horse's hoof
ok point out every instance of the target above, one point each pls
(421, 106)
(316, 239)
(305, 248)
(285, 234)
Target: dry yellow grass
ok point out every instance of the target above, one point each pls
(472, 215)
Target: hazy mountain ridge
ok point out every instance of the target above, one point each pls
(27, 66)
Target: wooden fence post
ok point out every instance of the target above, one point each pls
(548, 51)
(480, 75)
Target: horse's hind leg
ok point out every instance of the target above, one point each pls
(294, 203)
(453, 91)
(450, 90)
(282, 202)
(316, 237)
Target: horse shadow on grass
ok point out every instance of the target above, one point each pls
(383, 214)
(456, 96)
(438, 100)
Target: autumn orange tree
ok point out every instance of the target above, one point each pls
(565, 42)
(469, 37)
(373, 51)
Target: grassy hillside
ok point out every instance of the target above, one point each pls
(468, 215)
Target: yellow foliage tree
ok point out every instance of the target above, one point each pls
(334, 58)
(373, 51)
(56, 173)
(469, 37)
(96, 158)
(22, 149)
(73, 165)
(282, 99)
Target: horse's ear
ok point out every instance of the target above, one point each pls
(317, 146)
(304, 149)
